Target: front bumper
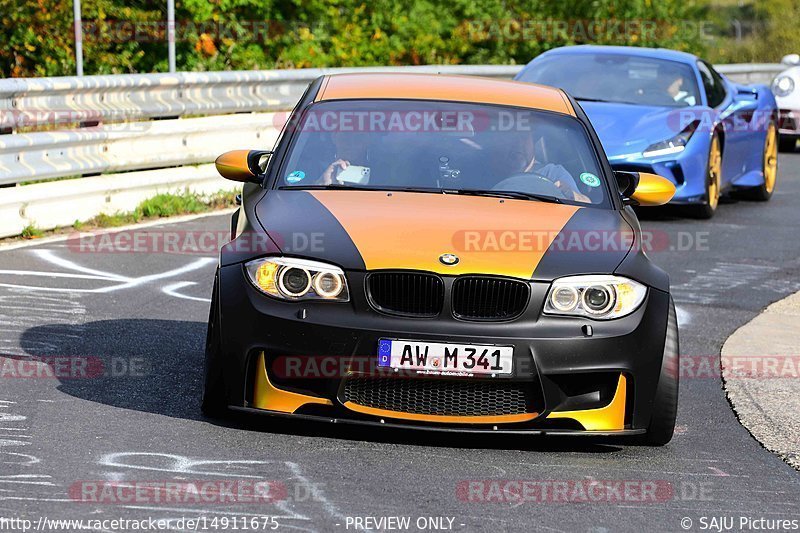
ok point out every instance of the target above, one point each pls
(445, 429)
(789, 123)
(686, 169)
(689, 183)
(599, 384)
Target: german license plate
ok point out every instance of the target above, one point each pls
(445, 358)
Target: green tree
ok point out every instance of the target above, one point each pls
(130, 36)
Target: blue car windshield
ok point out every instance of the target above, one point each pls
(617, 78)
(455, 147)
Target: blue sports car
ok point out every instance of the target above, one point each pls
(670, 113)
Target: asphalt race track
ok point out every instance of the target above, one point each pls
(142, 318)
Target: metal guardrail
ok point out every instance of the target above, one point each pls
(752, 72)
(131, 146)
(33, 102)
(117, 123)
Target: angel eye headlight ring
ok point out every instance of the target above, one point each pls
(328, 285)
(565, 298)
(293, 281)
(599, 297)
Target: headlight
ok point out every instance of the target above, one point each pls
(782, 86)
(600, 297)
(298, 279)
(673, 145)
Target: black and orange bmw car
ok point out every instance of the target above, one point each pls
(442, 252)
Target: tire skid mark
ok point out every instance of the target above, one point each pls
(70, 313)
(181, 466)
(330, 508)
(705, 288)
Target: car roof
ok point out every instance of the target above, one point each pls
(447, 88)
(656, 53)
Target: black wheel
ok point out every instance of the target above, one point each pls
(769, 167)
(665, 405)
(787, 144)
(213, 402)
(707, 209)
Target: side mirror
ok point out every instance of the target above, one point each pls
(750, 92)
(791, 59)
(627, 182)
(243, 165)
(645, 189)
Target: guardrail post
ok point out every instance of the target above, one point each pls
(171, 33)
(76, 10)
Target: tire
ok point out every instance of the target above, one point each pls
(665, 404)
(769, 167)
(787, 144)
(707, 209)
(213, 402)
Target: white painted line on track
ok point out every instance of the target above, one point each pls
(683, 316)
(121, 282)
(172, 290)
(211, 511)
(50, 257)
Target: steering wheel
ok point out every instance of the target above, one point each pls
(530, 183)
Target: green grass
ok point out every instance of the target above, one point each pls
(159, 206)
(117, 219)
(48, 180)
(164, 205)
(168, 205)
(31, 232)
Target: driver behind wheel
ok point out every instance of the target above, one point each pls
(518, 165)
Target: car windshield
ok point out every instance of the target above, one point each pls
(444, 147)
(617, 78)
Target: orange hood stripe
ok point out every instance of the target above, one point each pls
(445, 88)
(403, 230)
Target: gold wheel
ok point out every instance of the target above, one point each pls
(771, 158)
(714, 172)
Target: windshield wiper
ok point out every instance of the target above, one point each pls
(583, 99)
(514, 195)
(341, 187)
(334, 186)
(586, 99)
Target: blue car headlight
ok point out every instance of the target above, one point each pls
(673, 145)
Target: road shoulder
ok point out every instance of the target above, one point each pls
(761, 376)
